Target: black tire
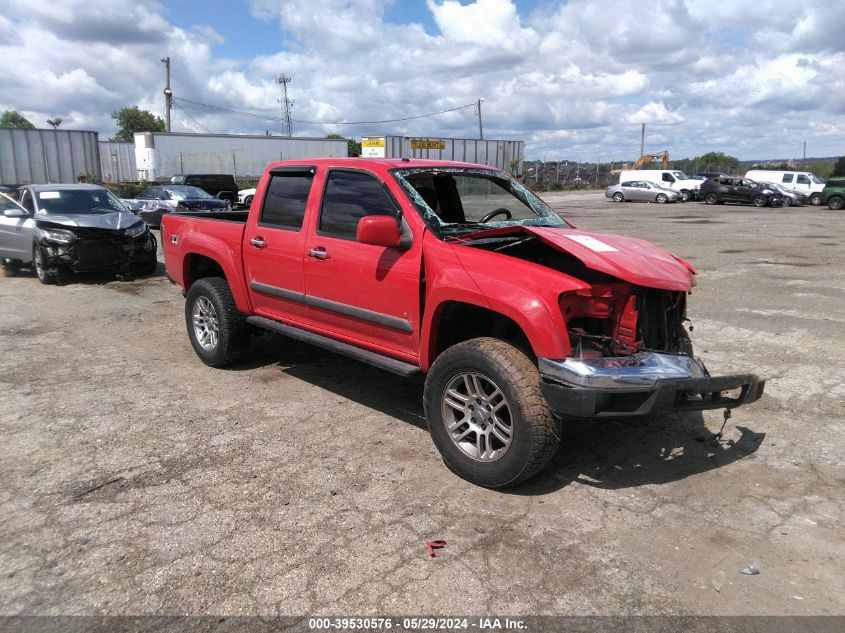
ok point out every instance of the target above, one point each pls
(816, 199)
(787, 201)
(685, 195)
(759, 201)
(11, 267)
(233, 336)
(661, 198)
(618, 197)
(534, 432)
(835, 202)
(248, 201)
(38, 264)
(711, 198)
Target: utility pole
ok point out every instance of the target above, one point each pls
(168, 94)
(478, 112)
(803, 161)
(283, 80)
(642, 140)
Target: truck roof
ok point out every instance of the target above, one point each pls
(379, 164)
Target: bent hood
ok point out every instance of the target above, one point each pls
(627, 258)
(116, 221)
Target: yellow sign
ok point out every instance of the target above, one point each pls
(372, 142)
(426, 144)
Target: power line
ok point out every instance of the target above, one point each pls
(407, 118)
(269, 118)
(192, 118)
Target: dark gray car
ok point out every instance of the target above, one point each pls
(73, 228)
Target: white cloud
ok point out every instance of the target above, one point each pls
(743, 77)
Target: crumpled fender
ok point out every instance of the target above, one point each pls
(527, 294)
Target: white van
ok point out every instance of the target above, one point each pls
(671, 178)
(800, 181)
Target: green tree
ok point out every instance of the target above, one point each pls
(717, 161)
(132, 119)
(353, 147)
(839, 167)
(11, 118)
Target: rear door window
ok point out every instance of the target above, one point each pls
(803, 180)
(349, 197)
(285, 200)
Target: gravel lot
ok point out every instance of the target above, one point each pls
(135, 480)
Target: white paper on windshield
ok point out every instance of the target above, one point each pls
(592, 243)
(49, 195)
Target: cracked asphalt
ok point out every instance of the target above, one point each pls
(134, 480)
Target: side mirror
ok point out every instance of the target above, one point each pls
(379, 230)
(15, 212)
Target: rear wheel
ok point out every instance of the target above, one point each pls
(11, 267)
(836, 202)
(218, 331)
(711, 198)
(618, 197)
(248, 202)
(759, 201)
(661, 198)
(787, 201)
(486, 414)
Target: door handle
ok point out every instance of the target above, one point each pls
(258, 242)
(318, 253)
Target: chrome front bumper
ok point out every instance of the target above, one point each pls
(640, 384)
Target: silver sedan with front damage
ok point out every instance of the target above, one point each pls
(60, 228)
(641, 191)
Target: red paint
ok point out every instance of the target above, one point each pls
(387, 280)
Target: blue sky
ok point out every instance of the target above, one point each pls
(573, 79)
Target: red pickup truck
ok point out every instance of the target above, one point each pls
(519, 319)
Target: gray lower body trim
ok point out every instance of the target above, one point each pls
(375, 359)
(386, 320)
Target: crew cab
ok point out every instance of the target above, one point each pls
(518, 319)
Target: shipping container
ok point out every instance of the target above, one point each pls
(35, 156)
(118, 161)
(159, 156)
(504, 155)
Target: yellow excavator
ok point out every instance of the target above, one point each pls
(645, 159)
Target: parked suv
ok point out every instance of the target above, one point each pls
(833, 194)
(222, 186)
(742, 190)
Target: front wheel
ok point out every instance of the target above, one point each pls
(685, 195)
(40, 271)
(816, 199)
(711, 198)
(486, 414)
(835, 202)
(661, 198)
(218, 331)
(759, 201)
(618, 197)
(248, 202)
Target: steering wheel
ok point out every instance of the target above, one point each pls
(494, 213)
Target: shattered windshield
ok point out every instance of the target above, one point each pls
(455, 201)
(77, 202)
